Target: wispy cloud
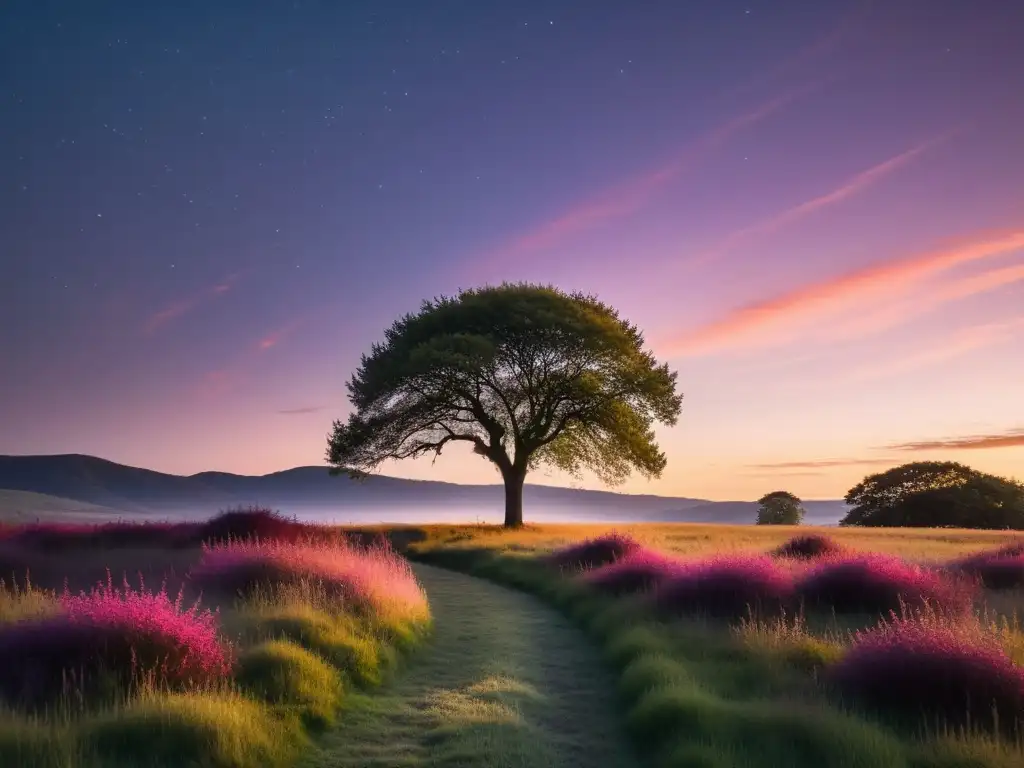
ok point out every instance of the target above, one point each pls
(832, 40)
(234, 372)
(180, 307)
(1011, 438)
(850, 187)
(776, 475)
(823, 463)
(781, 318)
(896, 313)
(275, 337)
(300, 411)
(962, 342)
(631, 195)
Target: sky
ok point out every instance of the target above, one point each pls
(815, 212)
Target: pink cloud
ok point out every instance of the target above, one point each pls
(852, 186)
(632, 195)
(178, 308)
(772, 320)
(1012, 438)
(822, 463)
(274, 338)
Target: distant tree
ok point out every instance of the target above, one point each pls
(930, 494)
(525, 374)
(779, 508)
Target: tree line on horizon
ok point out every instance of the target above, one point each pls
(919, 494)
(530, 375)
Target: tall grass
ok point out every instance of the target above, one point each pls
(109, 632)
(729, 683)
(119, 676)
(374, 581)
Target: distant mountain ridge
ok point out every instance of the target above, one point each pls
(313, 491)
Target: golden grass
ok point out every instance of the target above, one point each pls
(921, 544)
(925, 545)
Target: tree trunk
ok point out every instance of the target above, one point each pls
(514, 479)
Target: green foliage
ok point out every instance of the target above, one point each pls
(525, 374)
(287, 675)
(356, 653)
(223, 731)
(936, 494)
(779, 508)
(692, 699)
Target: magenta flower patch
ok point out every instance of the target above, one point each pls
(595, 552)
(948, 671)
(726, 586)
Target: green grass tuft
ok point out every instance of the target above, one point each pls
(353, 650)
(30, 743)
(647, 673)
(287, 675)
(172, 731)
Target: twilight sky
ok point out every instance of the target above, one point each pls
(814, 210)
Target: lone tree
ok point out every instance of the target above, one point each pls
(526, 374)
(779, 508)
(934, 494)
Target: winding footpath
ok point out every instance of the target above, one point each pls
(505, 681)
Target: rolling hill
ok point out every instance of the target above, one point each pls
(312, 491)
(28, 507)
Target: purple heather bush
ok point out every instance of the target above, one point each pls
(111, 634)
(50, 537)
(1001, 568)
(809, 547)
(638, 571)
(374, 579)
(951, 671)
(255, 523)
(593, 553)
(726, 586)
(880, 584)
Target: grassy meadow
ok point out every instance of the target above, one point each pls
(866, 648)
(229, 643)
(253, 640)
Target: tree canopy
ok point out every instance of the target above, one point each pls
(933, 494)
(779, 508)
(525, 374)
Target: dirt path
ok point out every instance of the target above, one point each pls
(505, 681)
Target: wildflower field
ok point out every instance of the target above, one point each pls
(225, 643)
(254, 640)
(779, 646)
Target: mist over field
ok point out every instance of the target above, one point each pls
(86, 488)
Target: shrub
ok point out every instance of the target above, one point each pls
(726, 587)
(284, 673)
(593, 553)
(949, 670)
(335, 637)
(879, 584)
(109, 637)
(1001, 568)
(374, 581)
(809, 547)
(60, 536)
(178, 730)
(254, 522)
(638, 571)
